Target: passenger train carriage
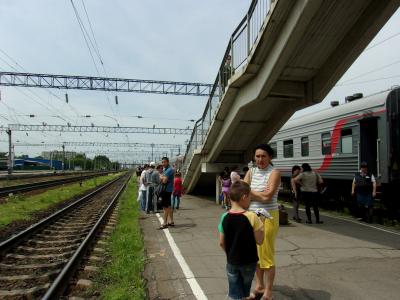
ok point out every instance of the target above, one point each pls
(336, 140)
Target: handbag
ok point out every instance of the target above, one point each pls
(320, 186)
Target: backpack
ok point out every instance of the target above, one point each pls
(147, 177)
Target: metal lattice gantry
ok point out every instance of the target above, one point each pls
(101, 144)
(130, 152)
(104, 84)
(101, 129)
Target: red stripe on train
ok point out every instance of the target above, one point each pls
(336, 134)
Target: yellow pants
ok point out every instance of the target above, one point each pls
(266, 251)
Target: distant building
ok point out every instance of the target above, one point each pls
(37, 164)
(59, 155)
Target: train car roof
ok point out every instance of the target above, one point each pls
(367, 102)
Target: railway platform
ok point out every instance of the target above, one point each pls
(340, 259)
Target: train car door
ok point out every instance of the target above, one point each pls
(393, 111)
(368, 143)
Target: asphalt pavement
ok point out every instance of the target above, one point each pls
(340, 259)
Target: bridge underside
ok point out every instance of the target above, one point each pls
(302, 51)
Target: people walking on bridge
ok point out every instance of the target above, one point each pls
(309, 182)
(167, 179)
(226, 72)
(364, 187)
(264, 181)
(295, 192)
(239, 233)
(177, 193)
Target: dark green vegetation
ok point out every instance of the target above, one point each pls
(20, 207)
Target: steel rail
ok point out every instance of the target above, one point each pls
(18, 238)
(40, 185)
(61, 282)
(17, 176)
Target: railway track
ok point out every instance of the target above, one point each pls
(27, 187)
(40, 261)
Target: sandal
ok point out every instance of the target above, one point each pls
(171, 224)
(163, 226)
(255, 295)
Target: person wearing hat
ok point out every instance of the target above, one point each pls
(364, 188)
(152, 180)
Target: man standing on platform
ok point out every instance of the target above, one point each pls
(364, 187)
(167, 179)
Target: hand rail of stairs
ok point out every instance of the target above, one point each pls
(239, 47)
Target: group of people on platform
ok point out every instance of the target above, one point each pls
(160, 187)
(248, 229)
(307, 186)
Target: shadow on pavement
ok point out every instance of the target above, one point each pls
(354, 230)
(188, 225)
(286, 292)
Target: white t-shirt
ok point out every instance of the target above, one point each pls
(142, 187)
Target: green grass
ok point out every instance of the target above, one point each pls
(20, 207)
(121, 277)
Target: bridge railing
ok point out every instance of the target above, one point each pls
(239, 47)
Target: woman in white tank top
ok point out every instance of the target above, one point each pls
(264, 181)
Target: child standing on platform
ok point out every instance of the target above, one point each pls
(239, 232)
(177, 193)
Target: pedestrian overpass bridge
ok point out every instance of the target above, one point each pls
(285, 55)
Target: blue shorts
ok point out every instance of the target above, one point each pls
(240, 278)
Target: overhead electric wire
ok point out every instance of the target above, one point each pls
(81, 26)
(49, 91)
(48, 106)
(367, 81)
(369, 72)
(97, 48)
(381, 42)
(91, 30)
(87, 38)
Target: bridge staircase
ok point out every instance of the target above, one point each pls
(285, 55)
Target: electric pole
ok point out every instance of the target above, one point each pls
(10, 160)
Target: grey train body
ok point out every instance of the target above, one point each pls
(334, 141)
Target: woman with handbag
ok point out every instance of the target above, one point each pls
(309, 183)
(264, 181)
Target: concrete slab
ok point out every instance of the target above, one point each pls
(325, 261)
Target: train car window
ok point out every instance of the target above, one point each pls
(288, 148)
(304, 146)
(326, 143)
(275, 149)
(347, 141)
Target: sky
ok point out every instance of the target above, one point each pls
(173, 40)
